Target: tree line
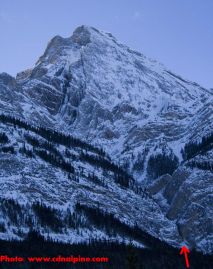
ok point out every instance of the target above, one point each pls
(192, 149)
(52, 135)
(161, 164)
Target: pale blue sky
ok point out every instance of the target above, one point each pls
(178, 33)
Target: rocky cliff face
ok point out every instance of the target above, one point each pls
(95, 88)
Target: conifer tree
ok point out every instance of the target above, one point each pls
(131, 259)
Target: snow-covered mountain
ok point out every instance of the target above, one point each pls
(151, 123)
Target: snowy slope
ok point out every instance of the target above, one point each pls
(27, 178)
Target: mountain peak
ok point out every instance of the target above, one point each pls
(82, 35)
(85, 34)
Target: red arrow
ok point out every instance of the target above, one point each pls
(185, 251)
